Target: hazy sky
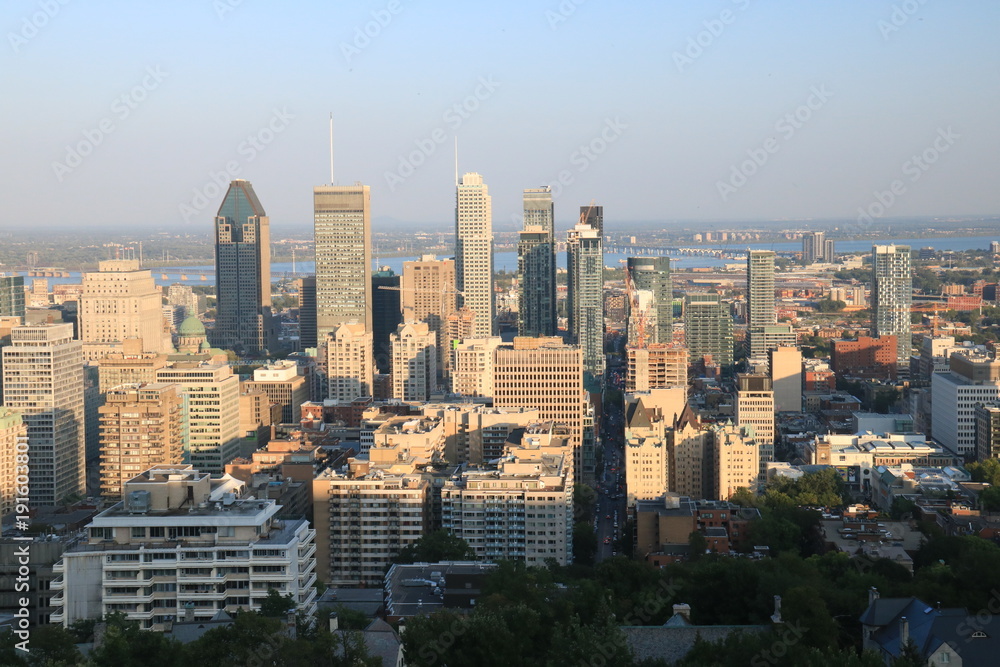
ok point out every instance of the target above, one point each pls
(122, 113)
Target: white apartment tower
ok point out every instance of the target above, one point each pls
(474, 251)
(414, 362)
(350, 362)
(755, 407)
(892, 295)
(43, 381)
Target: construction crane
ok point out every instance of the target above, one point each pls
(633, 299)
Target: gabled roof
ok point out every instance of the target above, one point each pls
(687, 419)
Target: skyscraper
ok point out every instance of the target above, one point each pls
(307, 312)
(708, 330)
(585, 300)
(755, 407)
(11, 296)
(386, 315)
(414, 362)
(427, 294)
(813, 247)
(536, 266)
(243, 273)
(653, 274)
(342, 219)
(760, 288)
(892, 294)
(350, 362)
(594, 216)
(43, 380)
(474, 251)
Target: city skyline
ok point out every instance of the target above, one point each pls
(782, 138)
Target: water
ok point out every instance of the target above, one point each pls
(508, 260)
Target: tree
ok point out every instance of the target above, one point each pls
(437, 546)
(125, 644)
(276, 605)
(830, 306)
(584, 543)
(53, 646)
(698, 544)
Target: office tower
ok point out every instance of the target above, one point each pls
(892, 294)
(585, 300)
(208, 549)
(987, 420)
(472, 366)
(285, 385)
(414, 362)
(536, 266)
(13, 442)
(342, 218)
(974, 379)
(546, 374)
(737, 459)
(528, 496)
(656, 367)
(43, 380)
(427, 294)
(120, 301)
(365, 515)
(386, 315)
(761, 340)
(708, 330)
(813, 247)
(594, 216)
(211, 398)
(11, 296)
(760, 289)
(653, 274)
(350, 362)
(140, 428)
(307, 313)
(755, 407)
(785, 364)
(474, 252)
(243, 320)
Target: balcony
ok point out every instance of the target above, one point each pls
(57, 584)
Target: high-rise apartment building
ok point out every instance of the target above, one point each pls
(653, 274)
(206, 547)
(427, 294)
(755, 408)
(211, 398)
(786, 378)
(342, 219)
(690, 453)
(760, 289)
(987, 430)
(892, 295)
(284, 384)
(737, 459)
(120, 301)
(414, 362)
(474, 252)
(708, 330)
(657, 366)
(13, 443)
(43, 381)
(593, 216)
(472, 366)
(813, 247)
(386, 315)
(350, 362)
(536, 266)
(11, 296)
(140, 427)
(585, 300)
(243, 320)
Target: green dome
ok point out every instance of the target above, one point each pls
(191, 326)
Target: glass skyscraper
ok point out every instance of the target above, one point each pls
(536, 266)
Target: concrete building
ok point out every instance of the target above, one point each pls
(211, 398)
(474, 252)
(585, 300)
(987, 420)
(520, 509)
(183, 540)
(129, 366)
(427, 294)
(813, 247)
(736, 459)
(13, 452)
(892, 295)
(365, 516)
(760, 292)
(689, 447)
(656, 366)
(120, 301)
(284, 384)
(472, 366)
(786, 377)
(973, 380)
(43, 381)
(762, 339)
(350, 363)
(414, 362)
(243, 320)
(342, 225)
(536, 266)
(257, 418)
(186, 299)
(653, 274)
(708, 330)
(420, 438)
(755, 408)
(477, 434)
(140, 427)
(546, 374)
(865, 357)
(11, 296)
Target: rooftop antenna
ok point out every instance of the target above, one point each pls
(331, 148)
(456, 161)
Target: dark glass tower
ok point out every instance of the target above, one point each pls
(243, 273)
(386, 316)
(536, 266)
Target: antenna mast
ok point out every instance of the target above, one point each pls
(331, 148)
(456, 161)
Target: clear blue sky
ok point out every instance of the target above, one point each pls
(673, 129)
